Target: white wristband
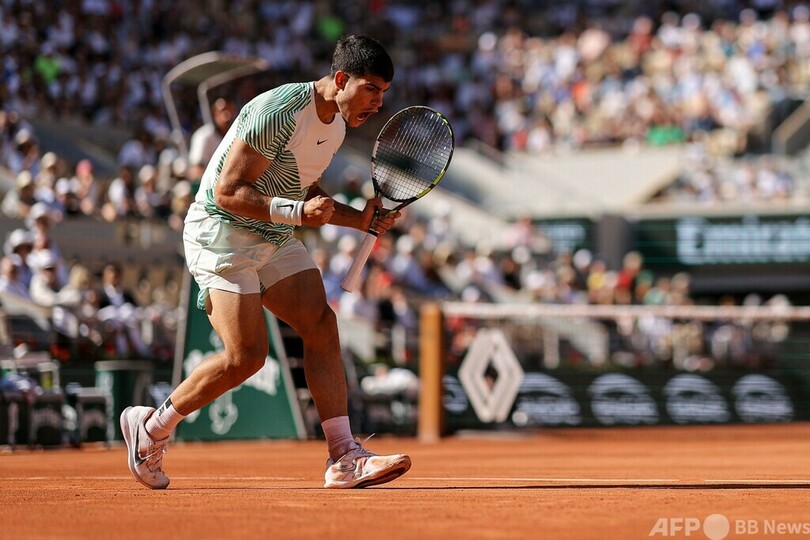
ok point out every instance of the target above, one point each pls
(286, 211)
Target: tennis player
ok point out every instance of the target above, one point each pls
(261, 183)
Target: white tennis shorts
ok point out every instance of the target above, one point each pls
(228, 258)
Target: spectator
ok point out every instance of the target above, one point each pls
(632, 265)
(24, 155)
(359, 303)
(18, 247)
(65, 198)
(120, 315)
(17, 203)
(40, 221)
(331, 281)
(150, 202)
(120, 195)
(182, 197)
(45, 285)
(45, 181)
(85, 188)
(10, 282)
(137, 151)
(406, 269)
(207, 137)
(341, 261)
(79, 301)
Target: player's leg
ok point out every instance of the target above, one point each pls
(300, 301)
(238, 319)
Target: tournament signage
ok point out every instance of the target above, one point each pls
(746, 240)
(264, 406)
(567, 235)
(741, 240)
(569, 397)
(491, 396)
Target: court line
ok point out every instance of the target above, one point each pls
(708, 481)
(251, 478)
(420, 478)
(536, 479)
(758, 481)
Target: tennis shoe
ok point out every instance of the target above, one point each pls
(144, 455)
(359, 468)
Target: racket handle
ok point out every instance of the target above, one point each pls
(352, 278)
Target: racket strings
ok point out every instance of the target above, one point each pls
(411, 155)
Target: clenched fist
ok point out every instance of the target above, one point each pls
(318, 211)
(378, 218)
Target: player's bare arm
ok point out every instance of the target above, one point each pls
(346, 216)
(235, 191)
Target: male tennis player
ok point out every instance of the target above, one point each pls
(261, 183)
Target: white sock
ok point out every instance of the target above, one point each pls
(163, 421)
(338, 434)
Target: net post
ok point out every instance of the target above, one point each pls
(431, 369)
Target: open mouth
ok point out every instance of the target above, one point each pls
(363, 116)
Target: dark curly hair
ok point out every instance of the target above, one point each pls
(362, 55)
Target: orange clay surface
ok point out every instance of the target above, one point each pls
(555, 483)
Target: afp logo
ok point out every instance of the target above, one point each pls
(714, 527)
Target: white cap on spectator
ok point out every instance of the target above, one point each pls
(405, 244)
(535, 280)
(42, 210)
(582, 258)
(471, 293)
(49, 159)
(691, 21)
(39, 210)
(62, 186)
(43, 259)
(521, 255)
(17, 238)
(347, 244)
(182, 188)
(146, 173)
(179, 167)
(23, 136)
(24, 179)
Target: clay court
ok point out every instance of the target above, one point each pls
(560, 483)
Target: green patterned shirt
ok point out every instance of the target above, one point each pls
(281, 124)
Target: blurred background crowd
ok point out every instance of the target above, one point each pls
(538, 77)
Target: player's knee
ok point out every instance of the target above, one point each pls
(249, 359)
(322, 327)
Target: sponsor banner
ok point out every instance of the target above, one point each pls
(567, 397)
(698, 241)
(567, 235)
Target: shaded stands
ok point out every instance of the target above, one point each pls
(55, 391)
(150, 253)
(150, 257)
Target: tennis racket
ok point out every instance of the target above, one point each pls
(410, 156)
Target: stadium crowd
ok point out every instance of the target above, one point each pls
(511, 74)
